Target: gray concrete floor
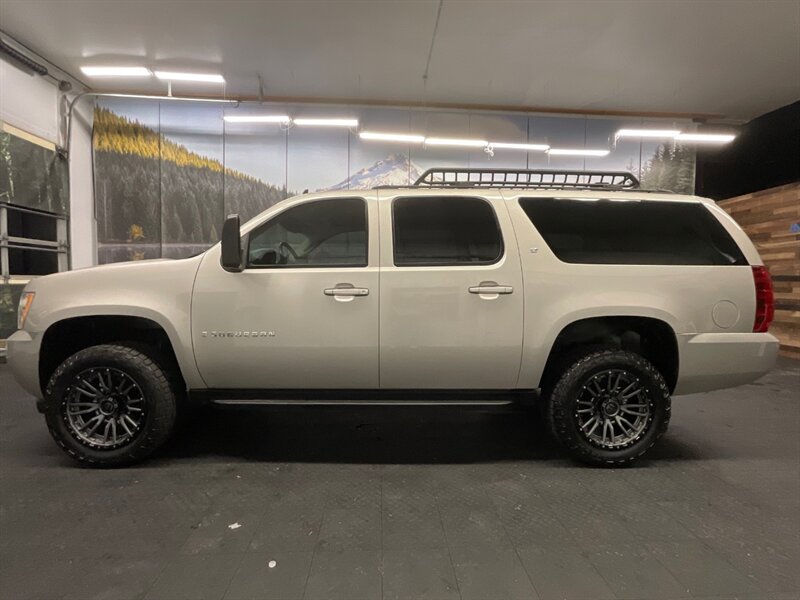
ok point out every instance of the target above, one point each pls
(410, 503)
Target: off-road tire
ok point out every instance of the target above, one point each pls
(563, 396)
(159, 397)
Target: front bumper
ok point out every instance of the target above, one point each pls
(712, 361)
(22, 350)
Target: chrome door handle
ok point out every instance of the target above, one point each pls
(346, 291)
(490, 288)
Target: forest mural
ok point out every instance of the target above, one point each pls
(671, 168)
(167, 173)
(157, 198)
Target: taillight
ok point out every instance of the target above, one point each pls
(765, 299)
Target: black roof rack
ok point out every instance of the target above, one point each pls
(527, 178)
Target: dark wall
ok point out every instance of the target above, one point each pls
(764, 155)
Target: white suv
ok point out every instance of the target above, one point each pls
(471, 286)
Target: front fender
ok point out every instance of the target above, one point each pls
(160, 291)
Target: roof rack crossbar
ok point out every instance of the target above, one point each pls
(527, 178)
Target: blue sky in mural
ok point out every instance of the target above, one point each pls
(499, 128)
(318, 157)
(199, 128)
(395, 168)
(135, 110)
(259, 152)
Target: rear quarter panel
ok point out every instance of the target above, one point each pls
(559, 293)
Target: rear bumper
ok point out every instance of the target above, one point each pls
(712, 361)
(23, 359)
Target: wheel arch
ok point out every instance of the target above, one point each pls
(68, 335)
(651, 337)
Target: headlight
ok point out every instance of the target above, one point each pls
(25, 302)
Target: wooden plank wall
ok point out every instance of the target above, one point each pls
(772, 220)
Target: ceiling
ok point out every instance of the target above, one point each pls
(733, 59)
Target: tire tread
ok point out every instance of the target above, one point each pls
(163, 407)
(559, 413)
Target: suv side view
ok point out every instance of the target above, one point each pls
(471, 286)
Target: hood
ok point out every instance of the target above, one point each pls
(147, 288)
(142, 272)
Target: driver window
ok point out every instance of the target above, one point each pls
(324, 233)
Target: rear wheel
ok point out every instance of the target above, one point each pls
(609, 407)
(110, 405)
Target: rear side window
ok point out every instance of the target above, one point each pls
(632, 232)
(445, 230)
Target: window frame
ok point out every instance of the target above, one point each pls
(710, 215)
(252, 233)
(499, 258)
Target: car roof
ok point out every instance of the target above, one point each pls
(507, 193)
(508, 182)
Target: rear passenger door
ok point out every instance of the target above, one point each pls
(450, 292)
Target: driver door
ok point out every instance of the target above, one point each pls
(303, 313)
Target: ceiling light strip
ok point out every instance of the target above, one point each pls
(456, 142)
(513, 146)
(197, 77)
(392, 137)
(327, 122)
(677, 135)
(257, 118)
(577, 152)
(648, 133)
(706, 138)
(98, 71)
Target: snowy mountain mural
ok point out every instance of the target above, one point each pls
(395, 169)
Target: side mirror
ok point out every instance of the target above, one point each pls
(231, 258)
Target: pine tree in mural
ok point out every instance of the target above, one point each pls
(631, 168)
(671, 168)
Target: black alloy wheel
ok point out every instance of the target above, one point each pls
(104, 408)
(111, 405)
(609, 407)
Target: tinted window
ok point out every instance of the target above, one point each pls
(632, 232)
(326, 233)
(431, 231)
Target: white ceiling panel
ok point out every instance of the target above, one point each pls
(737, 59)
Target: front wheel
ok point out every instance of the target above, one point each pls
(110, 405)
(609, 408)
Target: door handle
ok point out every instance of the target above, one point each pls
(346, 291)
(490, 287)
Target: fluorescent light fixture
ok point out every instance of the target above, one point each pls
(455, 142)
(648, 133)
(201, 77)
(706, 138)
(510, 146)
(257, 118)
(328, 122)
(577, 152)
(409, 138)
(116, 71)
